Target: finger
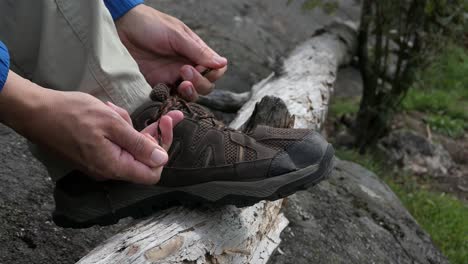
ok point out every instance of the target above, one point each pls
(187, 91)
(152, 130)
(215, 75)
(134, 171)
(176, 116)
(150, 137)
(210, 74)
(138, 145)
(197, 39)
(201, 69)
(202, 85)
(165, 126)
(122, 112)
(198, 52)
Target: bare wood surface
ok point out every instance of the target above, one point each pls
(225, 101)
(270, 111)
(229, 234)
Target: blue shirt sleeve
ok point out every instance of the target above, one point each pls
(118, 8)
(4, 64)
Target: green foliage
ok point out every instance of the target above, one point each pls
(436, 102)
(412, 31)
(443, 85)
(311, 4)
(442, 92)
(446, 125)
(444, 217)
(365, 160)
(328, 7)
(341, 106)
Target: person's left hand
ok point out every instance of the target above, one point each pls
(166, 50)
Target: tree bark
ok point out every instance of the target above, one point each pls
(251, 234)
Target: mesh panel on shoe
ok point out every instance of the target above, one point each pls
(200, 163)
(278, 144)
(287, 132)
(231, 149)
(201, 131)
(250, 154)
(199, 110)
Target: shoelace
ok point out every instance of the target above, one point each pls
(174, 102)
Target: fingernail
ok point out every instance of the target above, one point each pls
(219, 60)
(159, 157)
(187, 74)
(190, 91)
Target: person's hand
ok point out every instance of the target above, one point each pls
(166, 50)
(98, 138)
(101, 139)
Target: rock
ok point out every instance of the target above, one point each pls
(348, 83)
(344, 139)
(352, 218)
(254, 34)
(458, 148)
(416, 154)
(27, 233)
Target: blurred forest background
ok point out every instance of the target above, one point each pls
(407, 120)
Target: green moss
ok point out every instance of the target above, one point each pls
(444, 217)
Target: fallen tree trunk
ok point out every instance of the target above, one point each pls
(307, 77)
(225, 101)
(229, 234)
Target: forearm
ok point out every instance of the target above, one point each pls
(20, 102)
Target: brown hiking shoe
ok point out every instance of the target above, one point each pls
(208, 163)
(301, 145)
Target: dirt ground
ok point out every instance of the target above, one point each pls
(252, 34)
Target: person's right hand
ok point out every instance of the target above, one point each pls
(167, 50)
(94, 136)
(97, 138)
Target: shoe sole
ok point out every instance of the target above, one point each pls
(155, 198)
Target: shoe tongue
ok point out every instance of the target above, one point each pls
(160, 92)
(200, 110)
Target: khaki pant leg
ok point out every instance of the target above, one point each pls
(70, 45)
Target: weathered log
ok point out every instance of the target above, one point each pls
(225, 101)
(229, 234)
(271, 111)
(307, 77)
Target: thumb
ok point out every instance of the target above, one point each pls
(198, 52)
(139, 146)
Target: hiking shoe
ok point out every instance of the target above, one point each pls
(301, 145)
(208, 163)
